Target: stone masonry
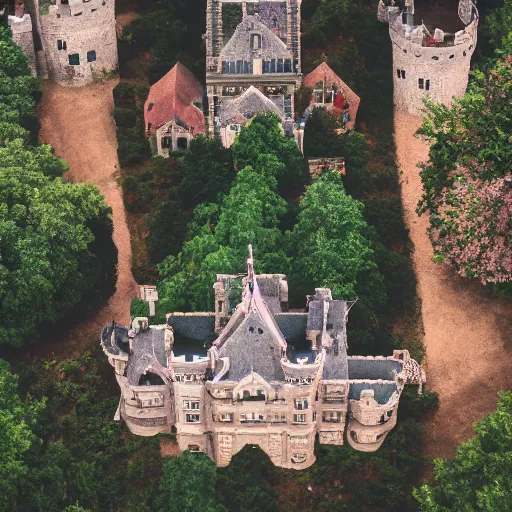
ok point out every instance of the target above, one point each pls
(267, 377)
(72, 42)
(428, 63)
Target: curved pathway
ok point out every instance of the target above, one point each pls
(78, 123)
(467, 333)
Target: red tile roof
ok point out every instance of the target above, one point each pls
(323, 73)
(173, 95)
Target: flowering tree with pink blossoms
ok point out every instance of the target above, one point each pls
(471, 226)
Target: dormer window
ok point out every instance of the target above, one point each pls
(255, 41)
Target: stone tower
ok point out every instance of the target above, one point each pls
(76, 39)
(427, 62)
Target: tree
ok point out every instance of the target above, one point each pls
(471, 227)
(167, 229)
(480, 476)
(45, 259)
(207, 170)
(249, 214)
(16, 436)
(12, 59)
(330, 241)
(473, 133)
(188, 484)
(263, 135)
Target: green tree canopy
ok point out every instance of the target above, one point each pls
(207, 170)
(330, 240)
(45, 261)
(249, 214)
(480, 476)
(263, 135)
(188, 484)
(16, 436)
(473, 133)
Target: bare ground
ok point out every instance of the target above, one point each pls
(77, 122)
(467, 332)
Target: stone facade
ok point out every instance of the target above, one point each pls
(262, 50)
(22, 35)
(427, 63)
(272, 377)
(72, 42)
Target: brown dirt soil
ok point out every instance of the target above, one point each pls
(168, 447)
(467, 332)
(77, 122)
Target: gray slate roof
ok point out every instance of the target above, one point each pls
(142, 354)
(373, 369)
(194, 327)
(239, 46)
(383, 391)
(252, 347)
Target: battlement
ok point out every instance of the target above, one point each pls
(427, 61)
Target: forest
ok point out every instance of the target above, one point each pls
(192, 216)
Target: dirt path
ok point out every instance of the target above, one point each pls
(467, 333)
(77, 122)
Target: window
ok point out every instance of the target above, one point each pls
(182, 143)
(435, 57)
(192, 418)
(400, 73)
(261, 392)
(246, 394)
(280, 65)
(191, 405)
(331, 416)
(421, 83)
(150, 107)
(427, 85)
(314, 416)
(251, 417)
(278, 418)
(298, 458)
(74, 59)
(301, 404)
(225, 417)
(255, 42)
(193, 448)
(91, 56)
(149, 127)
(61, 45)
(299, 418)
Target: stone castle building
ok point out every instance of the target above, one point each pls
(426, 60)
(253, 62)
(69, 41)
(271, 377)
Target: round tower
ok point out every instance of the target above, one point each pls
(428, 62)
(78, 39)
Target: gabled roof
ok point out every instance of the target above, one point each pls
(250, 333)
(248, 104)
(239, 46)
(323, 73)
(172, 96)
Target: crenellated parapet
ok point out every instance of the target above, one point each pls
(254, 373)
(427, 60)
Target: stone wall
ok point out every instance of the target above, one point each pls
(22, 36)
(446, 69)
(85, 28)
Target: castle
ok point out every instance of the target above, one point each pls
(271, 377)
(428, 61)
(68, 41)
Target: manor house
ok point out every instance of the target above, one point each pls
(256, 373)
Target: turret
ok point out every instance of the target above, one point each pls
(427, 61)
(78, 39)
